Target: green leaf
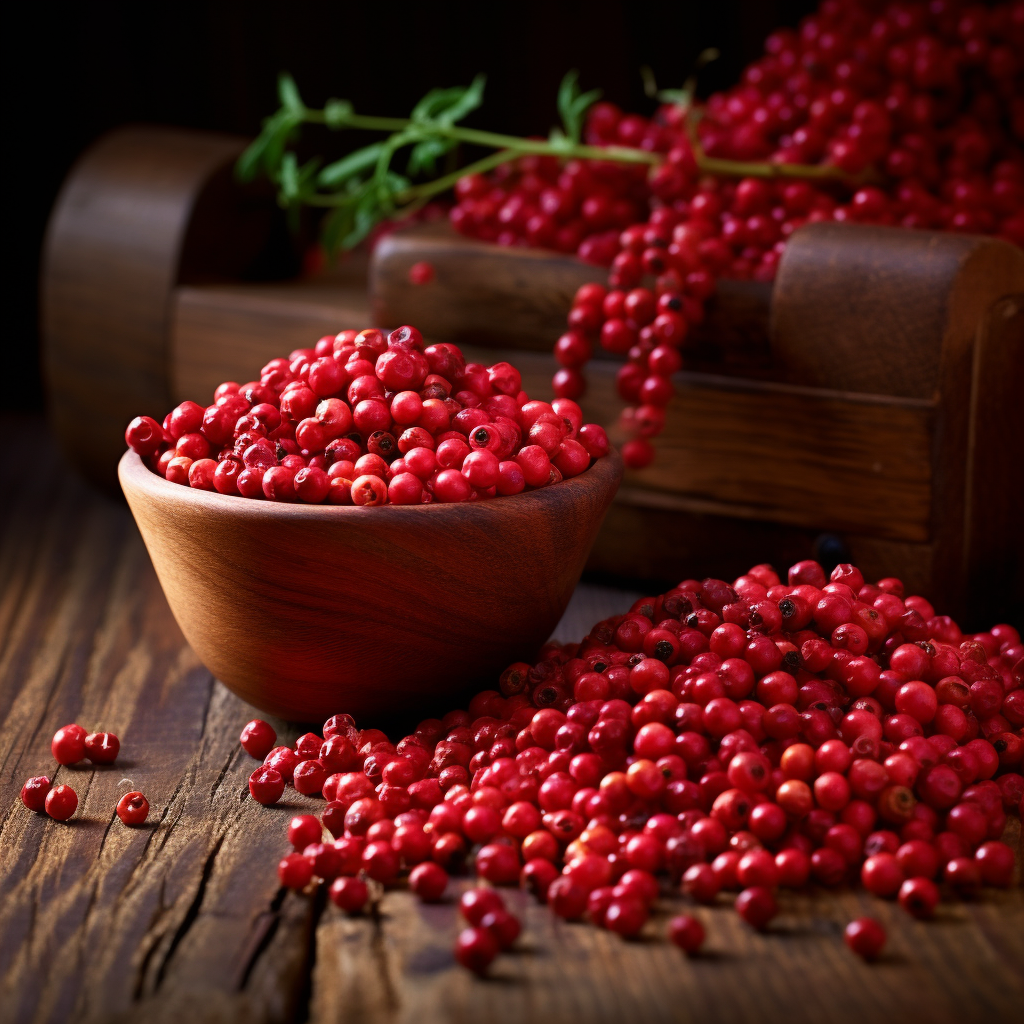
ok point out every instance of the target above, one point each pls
(471, 99)
(334, 175)
(288, 94)
(337, 113)
(450, 105)
(424, 156)
(265, 152)
(573, 105)
(289, 178)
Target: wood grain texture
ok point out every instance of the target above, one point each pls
(227, 332)
(183, 919)
(301, 609)
(497, 296)
(885, 310)
(111, 257)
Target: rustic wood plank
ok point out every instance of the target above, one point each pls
(183, 919)
(97, 919)
(396, 966)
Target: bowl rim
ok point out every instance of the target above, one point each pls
(133, 474)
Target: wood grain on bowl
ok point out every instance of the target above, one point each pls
(306, 610)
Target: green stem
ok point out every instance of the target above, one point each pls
(488, 163)
(417, 193)
(493, 139)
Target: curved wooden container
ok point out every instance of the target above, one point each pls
(307, 611)
(111, 258)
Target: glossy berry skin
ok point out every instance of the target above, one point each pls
(687, 933)
(349, 894)
(963, 875)
(882, 875)
(133, 808)
(429, 881)
(475, 903)
(757, 906)
(919, 897)
(68, 744)
(33, 793)
(295, 871)
(303, 831)
(266, 785)
(626, 916)
(61, 802)
(995, 861)
(866, 937)
(567, 899)
(258, 738)
(505, 927)
(475, 949)
(102, 747)
(309, 777)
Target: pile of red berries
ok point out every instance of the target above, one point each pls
(71, 744)
(924, 102)
(717, 737)
(365, 418)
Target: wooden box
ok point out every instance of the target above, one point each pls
(867, 405)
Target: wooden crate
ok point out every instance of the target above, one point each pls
(871, 395)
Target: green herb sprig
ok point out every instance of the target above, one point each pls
(364, 188)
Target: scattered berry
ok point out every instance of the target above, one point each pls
(133, 808)
(61, 802)
(866, 937)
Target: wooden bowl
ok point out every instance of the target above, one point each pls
(306, 611)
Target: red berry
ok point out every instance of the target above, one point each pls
(34, 792)
(476, 949)
(304, 830)
(295, 871)
(68, 744)
(133, 808)
(266, 785)
(995, 863)
(919, 897)
(429, 881)
(102, 747)
(505, 927)
(687, 933)
(348, 894)
(626, 916)
(258, 738)
(866, 937)
(475, 903)
(61, 802)
(757, 906)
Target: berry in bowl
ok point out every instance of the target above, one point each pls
(372, 524)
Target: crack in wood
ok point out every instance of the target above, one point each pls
(192, 912)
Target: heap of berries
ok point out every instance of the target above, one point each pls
(920, 105)
(368, 418)
(70, 745)
(748, 737)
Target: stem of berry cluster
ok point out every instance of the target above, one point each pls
(512, 146)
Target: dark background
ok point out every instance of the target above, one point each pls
(76, 71)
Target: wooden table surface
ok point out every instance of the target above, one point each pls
(183, 919)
